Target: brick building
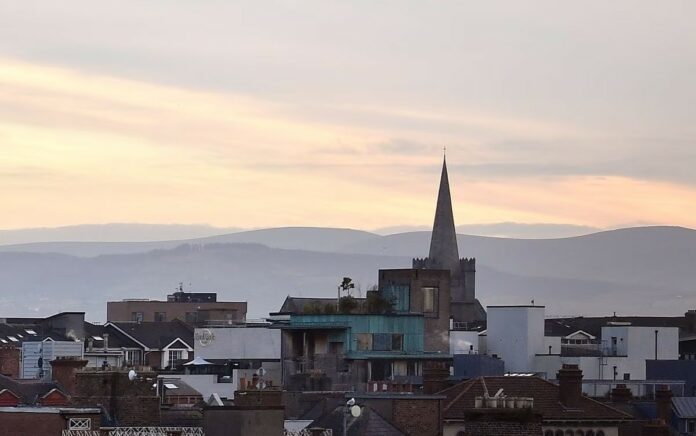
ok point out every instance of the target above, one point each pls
(196, 309)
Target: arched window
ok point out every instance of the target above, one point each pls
(600, 433)
(548, 433)
(579, 433)
(589, 433)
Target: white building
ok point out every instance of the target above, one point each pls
(516, 335)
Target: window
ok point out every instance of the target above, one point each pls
(430, 300)
(133, 357)
(192, 317)
(387, 342)
(160, 316)
(175, 355)
(364, 341)
(137, 316)
(692, 426)
(80, 424)
(397, 342)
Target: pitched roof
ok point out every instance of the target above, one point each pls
(156, 335)
(460, 399)
(28, 391)
(369, 423)
(116, 338)
(684, 407)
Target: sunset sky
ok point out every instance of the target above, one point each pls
(319, 113)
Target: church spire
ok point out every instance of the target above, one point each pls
(443, 243)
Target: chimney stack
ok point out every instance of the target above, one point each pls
(106, 341)
(621, 394)
(663, 401)
(63, 371)
(570, 386)
(435, 376)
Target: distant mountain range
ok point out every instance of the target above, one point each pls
(644, 270)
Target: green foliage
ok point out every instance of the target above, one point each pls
(329, 309)
(347, 304)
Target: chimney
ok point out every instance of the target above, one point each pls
(106, 341)
(435, 376)
(90, 345)
(63, 371)
(690, 321)
(663, 401)
(570, 386)
(621, 394)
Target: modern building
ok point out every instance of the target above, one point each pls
(196, 309)
(358, 352)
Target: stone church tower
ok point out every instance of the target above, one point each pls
(444, 254)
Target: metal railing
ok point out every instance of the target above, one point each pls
(308, 432)
(157, 431)
(81, 433)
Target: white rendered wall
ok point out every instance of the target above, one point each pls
(254, 343)
(461, 341)
(516, 335)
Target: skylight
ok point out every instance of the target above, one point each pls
(171, 386)
(97, 338)
(3, 341)
(20, 335)
(31, 332)
(13, 339)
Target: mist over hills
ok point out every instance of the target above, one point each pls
(648, 270)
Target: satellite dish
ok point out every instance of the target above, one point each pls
(355, 411)
(132, 375)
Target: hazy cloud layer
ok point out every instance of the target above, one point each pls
(256, 114)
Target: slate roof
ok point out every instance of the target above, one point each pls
(156, 335)
(19, 332)
(684, 407)
(460, 399)
(116, 338)
(369, 423)
(29, 391)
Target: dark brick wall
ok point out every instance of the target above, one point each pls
(9, 361)
(130, 403)
(33, 424)
(497, 428)
(417, 417)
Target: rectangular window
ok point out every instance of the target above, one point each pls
(364, 341)
(160, 316)
(137, 316)
(430, 300)
(192, 317)
(381, 342)
(80, 424)
(175, 355)
(397, 342)
(133, 357)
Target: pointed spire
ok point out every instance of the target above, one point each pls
(443, 243)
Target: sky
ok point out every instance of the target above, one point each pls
(318, 113)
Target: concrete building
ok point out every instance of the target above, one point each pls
(196, 309)
(515, 334)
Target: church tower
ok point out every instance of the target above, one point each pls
(444, 254)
